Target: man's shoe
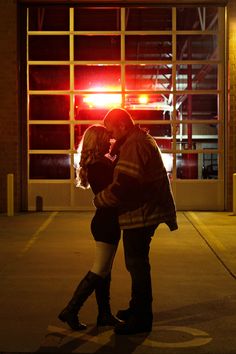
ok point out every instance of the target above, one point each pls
(123, 315)
(134, 326)
(107, 319)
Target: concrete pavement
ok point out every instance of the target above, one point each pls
(44, 256)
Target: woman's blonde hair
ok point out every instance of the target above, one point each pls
(92, 147)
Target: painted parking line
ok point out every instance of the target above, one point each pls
(214, 243)
(36, 234)
(197, 338)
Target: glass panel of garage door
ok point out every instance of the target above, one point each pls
(49, 107)
(196, 77)
(149, 19)
(49, 18)
(148, 47)
(49, 166)
(96, 47)
(97, 77)
(49, 137)
(96, 19)
(198, 107)
(202, 18)
(148, 77)
(197, 166)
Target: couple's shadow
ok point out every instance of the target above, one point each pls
(199, 316)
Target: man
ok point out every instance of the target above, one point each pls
(141, 191)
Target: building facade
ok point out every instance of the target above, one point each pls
(63, 66)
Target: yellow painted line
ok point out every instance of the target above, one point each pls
(217, 247)
(204, 229)
(35, 235)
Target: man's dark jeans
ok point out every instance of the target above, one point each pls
(136, 249)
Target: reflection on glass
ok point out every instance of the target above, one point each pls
(49, 77)
(49, 166)
(197, 166)
(202, 18)
(148, 47)
(49, 136)
(49, 18)
(151, 19)
(148, 77)
(48, 47)
(96, 19)
(197, 106)
(97, 77)
(97, 47)
(197, 47)
(196, 77)
(49, 107)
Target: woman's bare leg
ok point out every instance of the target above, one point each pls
(104, 257)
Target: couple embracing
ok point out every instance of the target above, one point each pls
(132, 194)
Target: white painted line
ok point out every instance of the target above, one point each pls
(199, 337)
(35, 236)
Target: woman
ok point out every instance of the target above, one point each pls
(96, 170)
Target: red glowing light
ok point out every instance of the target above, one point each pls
(143, 99)
(109, 100)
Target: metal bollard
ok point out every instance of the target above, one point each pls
(234, 193)
(10, 194)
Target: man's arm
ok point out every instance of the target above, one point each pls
(124, 189)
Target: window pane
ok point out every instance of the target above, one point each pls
(148, 47)
(209, 166)
(197, 106)
(49, 107)
(195, 47)
(148, 77)
(49, 77)
(201, 18)
(97, 47)
(48, 47)
(49, 18)
(49, 136)
(195, 136)
(196, 166)
(48, 166)
(97, 19)
(196, 77)
(148, 19)
(92, 77)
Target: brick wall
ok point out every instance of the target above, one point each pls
(231, 124)
(9, 140)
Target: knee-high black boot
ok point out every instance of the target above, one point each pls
(102, 292)
(85, 288)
